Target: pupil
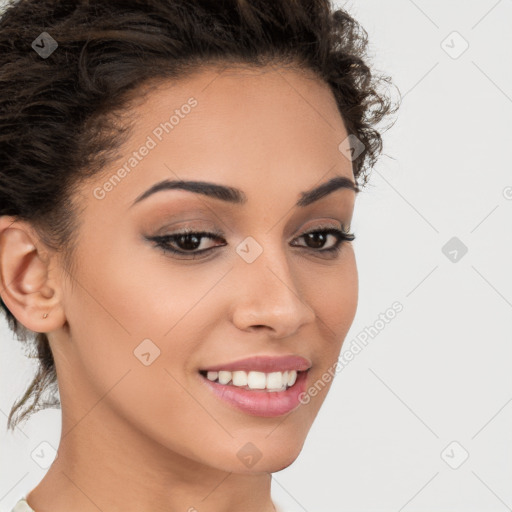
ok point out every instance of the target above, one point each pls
(312, 236)
(195, 244)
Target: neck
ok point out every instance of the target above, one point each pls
(120, 469)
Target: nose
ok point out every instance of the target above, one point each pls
(269, 296)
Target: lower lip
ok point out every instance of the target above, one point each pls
(259, 402)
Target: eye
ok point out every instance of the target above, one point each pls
(188, 242)
(319, 237)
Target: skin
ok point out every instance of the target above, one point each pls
(154, 438)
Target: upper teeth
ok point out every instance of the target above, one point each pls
(274, 381)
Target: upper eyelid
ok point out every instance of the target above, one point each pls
(205, 233)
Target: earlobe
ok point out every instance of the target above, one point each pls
(25, 284)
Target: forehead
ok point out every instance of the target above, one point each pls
(240, 126)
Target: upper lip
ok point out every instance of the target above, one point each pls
(264, 364)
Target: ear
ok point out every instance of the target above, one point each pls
(25, 284)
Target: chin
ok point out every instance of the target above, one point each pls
(270, 458)
(283, 466)
(279, 459)
(279, 462)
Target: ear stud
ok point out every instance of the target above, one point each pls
(45, 315)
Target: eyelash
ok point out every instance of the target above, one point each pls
(163, 241)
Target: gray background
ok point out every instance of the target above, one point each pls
(435, 384)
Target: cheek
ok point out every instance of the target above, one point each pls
(118, 316)
(139, 292)
(334, 299)
(333, 293)
(130, 309)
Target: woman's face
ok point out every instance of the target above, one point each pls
(142, 323)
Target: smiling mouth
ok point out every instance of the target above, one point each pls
(254, 380)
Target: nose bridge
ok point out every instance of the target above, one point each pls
(267, 290)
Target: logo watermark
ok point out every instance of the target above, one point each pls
(356, 346)
(137, 156)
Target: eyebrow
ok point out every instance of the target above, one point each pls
(236, 196)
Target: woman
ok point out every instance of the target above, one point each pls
(177, 188)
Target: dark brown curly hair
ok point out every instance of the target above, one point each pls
(63, 115)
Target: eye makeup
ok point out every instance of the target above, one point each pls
(191, 240)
